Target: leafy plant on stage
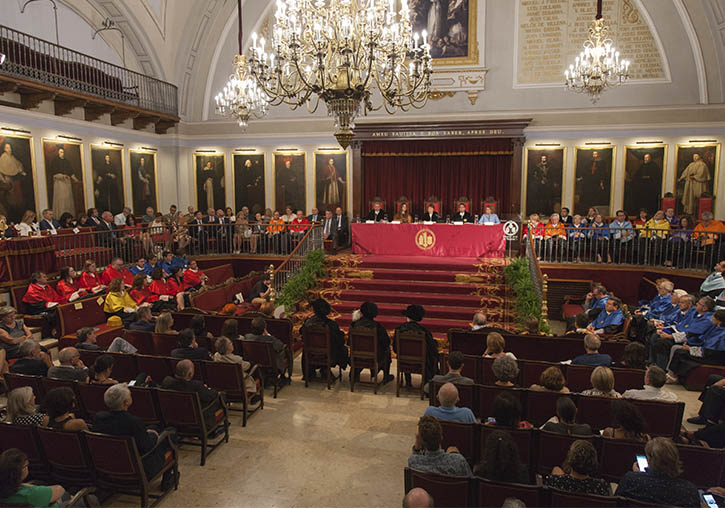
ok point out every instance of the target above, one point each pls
(527, 302)
(306, 278)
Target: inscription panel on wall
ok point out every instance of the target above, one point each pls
(550, 34)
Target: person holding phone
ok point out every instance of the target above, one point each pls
(655, 477)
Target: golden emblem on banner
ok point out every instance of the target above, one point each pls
(425, 239)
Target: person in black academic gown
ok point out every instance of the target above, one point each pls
(369, 312)
(415, 314)
(431, 215)
(340, 355)
(377, 213)
(462, 215)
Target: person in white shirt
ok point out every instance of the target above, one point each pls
(714, 284)
(478, 321)
(654, 380)
(489, 217)
(120, 219)
(27, 226)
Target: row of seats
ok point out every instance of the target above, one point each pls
(457, 492)
(577, 376)
(540, 451)
(663, 418)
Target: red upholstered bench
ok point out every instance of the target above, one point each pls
(81, 313)
(695, 380)
(219, 274)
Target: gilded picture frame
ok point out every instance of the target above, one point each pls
(586, 184)
(258, 188)
(636, 193)
(137, 189)
(109, 192)
(283, 176)
(533, 201)
(320, 163)
(684, 155)
(460, 17)
(214, 184)
(15, 184)
(70, 191)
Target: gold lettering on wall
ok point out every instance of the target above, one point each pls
(442, 133)
(551, 33)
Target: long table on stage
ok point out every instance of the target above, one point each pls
(465, 240)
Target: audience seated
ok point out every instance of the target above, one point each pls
(428, 456)
(225, 353)
(506, 371)
(660, 340)
(118, 302)
(90, 280)
(71, 366)
(500, 461)
(455, 365)
(59, 403)
(593, 356)
(261, 291)
(634, 357)
(713, 399)
(628, 422)
(230, 329)
(602, 380)
(576, 474)
(418, 498)
(13, 332)
(22, 409)
(478, 321)
(714, 284)
(194, 278)
(581, 322)
(506, 412)
(33, 361)
(117, 421)
(40, 296)
(654, 380)
(609, 321)
(496, 344)
(687, 332)
(708, 349)
(531, 326)
(144, 321)
(565, 420)
(448, 398)
(13, 490)
(141, 294)
(338, 348)
(414, 315)
(116, 270)
(659, 483)
(68, 289)
(551, 380)
(160, 287)
(259, 333)
(188, 348)
(102, 370)
(369, 311)
(87, 340)
(165, 323)
(183, 381)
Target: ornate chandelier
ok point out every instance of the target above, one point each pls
(241, 98)
(598, 66)
(338, 53)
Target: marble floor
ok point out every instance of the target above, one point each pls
(312, 447)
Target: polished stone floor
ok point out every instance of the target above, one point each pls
(312, 447)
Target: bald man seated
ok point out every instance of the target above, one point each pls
(418, 498)
(448, 398)
(183, 381)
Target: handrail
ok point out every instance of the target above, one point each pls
(294, 261)
(294, 251)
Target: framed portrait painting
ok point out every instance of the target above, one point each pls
(209, 179)
(64, 177)
(643, 178)
(544, 174)
(17, 177)
(451, 29)
(107, 170)
(695, 176)
(593, 179)
(331, 181)
(143, 181)
(289, 180)
(249, 182)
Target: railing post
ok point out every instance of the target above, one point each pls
(544, 301)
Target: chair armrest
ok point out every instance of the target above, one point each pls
(255, 373)
(81, 494)
(164, 436)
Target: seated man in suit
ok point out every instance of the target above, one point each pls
(329, 231)
(188, 348)
(48, 221)
(455, 366)
(119, 422)
(592, 357)
(33, 361)
(198, 233)
(431, 215)
(462, 215)
(314, 217)
(144, 320)
(71, 367)
(609, 321)
(110, 237)
(183, 381)
(377, 214)
(342, 227)
(415, 314)
(87, 340)
(259, 333)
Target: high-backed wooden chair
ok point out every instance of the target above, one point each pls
(437, 204)
(493, 494)
(156, 367)
(553, 448)
(411, 349)
(447, 491)
(68, 457)
(143, 341)
(489, 202)
(19, 380)
(264, 357)
(399, 202)
(165, 343)
(229, 378)
(567, 499)
(363, 344)
(317, 351)
(464, 436)
(25, 438)
(616, 457)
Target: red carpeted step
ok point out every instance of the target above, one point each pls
(463, 265)
(431, 311)
(410, 298)
(413, 274)
(436, 326)
(429, 287)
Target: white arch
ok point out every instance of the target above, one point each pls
(696, 49)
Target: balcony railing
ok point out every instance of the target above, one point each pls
(37, 60)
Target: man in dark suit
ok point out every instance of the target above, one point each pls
(93, 220)
(415, 314)
(329, 231)
(197, 232)
(315, 216)
(188, 348)
(212, 229)
(48, 221)
(462, 215)
(377, 213)
(431, 215)
(184, 381)
(342, 228)
(110, 238)
(119, 422)
(259, 333)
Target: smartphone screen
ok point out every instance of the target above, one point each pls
(710, 500)
(131, 383)
(642, 462)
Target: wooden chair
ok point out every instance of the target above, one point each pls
(616, 457)
(694, 457)
(663, 418)
(157, 367)
(119, 468)
(525, 440)
(363, 344)
(411, 348)
(143, 341)
(317, 351)
(487, 377)
(25, 438)
(567, 499)
(229, 378)
(578, 377)
(493, 494)
(398, 203)
(489, 202)
(437, 205)
(198, 374)
(464, 436)
(68, 457)
(596, 411)
(89, 356)
(146, 406)
(553, 448)
(165, 343)
(531, 371)
(19, 380)
(487, 394)
(91, 398)
(447, 491)
(124, 367)
(466, 395)
(540, 406)
(466, 341)
(264, 357)
(183, 411)
(463, 200)
(628, 379)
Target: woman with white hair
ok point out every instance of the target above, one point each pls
(13, 332)
(22, 409)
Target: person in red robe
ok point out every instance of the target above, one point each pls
(40, 296)
(141, 293)
(194, 278)
(90, 281)
(177, 287)
(68, 288)
(161, 287)
(115, 270)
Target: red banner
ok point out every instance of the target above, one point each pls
(467, 240)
